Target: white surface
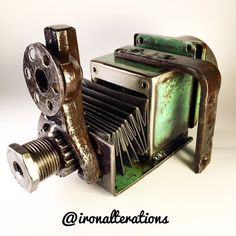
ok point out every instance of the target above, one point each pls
(196, 204)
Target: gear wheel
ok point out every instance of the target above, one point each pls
(69, 163)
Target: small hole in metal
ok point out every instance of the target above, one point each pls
(94, 69)
(46, 60)
(49, 105)
(32, 54)
(18, 169)
(55, 88)
(188, 48)
(143, 84)
(27, 73)
(140, 40)
(204, 161)
(46, 127)
(41, 80)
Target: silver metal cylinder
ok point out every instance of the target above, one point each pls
(32, 162)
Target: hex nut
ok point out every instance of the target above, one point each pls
(23, 167)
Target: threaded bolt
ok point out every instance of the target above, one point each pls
(33, 162)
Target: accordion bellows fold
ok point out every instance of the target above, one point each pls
(118, 118)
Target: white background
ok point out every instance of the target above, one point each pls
(196, 204)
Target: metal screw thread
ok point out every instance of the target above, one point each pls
(45, 157)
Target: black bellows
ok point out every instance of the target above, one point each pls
(118, 118)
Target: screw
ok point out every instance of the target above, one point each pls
(33, 162)
(143, 84)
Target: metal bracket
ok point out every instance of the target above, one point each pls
(55, 87)
(209, 78)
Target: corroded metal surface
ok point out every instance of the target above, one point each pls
(209, 78)
(55, 85)
(186, 46)
(137, 109)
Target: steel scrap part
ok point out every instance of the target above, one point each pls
(56, 90)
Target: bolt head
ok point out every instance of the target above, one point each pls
(23, 167)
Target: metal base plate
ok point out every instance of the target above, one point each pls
(115, 183)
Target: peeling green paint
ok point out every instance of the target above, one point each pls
(172, 108)
(131, 175)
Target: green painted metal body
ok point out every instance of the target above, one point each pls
(131, 176)
(171, 99)
(186, 46)
(179, 46)
(172, 109)
(171, 115)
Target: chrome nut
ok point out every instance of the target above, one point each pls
(23, 167)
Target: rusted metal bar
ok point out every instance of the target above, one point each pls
(55, 87)
(62, 43)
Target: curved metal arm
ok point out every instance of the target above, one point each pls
(209, 78)
(56, 88)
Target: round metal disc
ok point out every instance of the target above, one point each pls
(43, 78)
